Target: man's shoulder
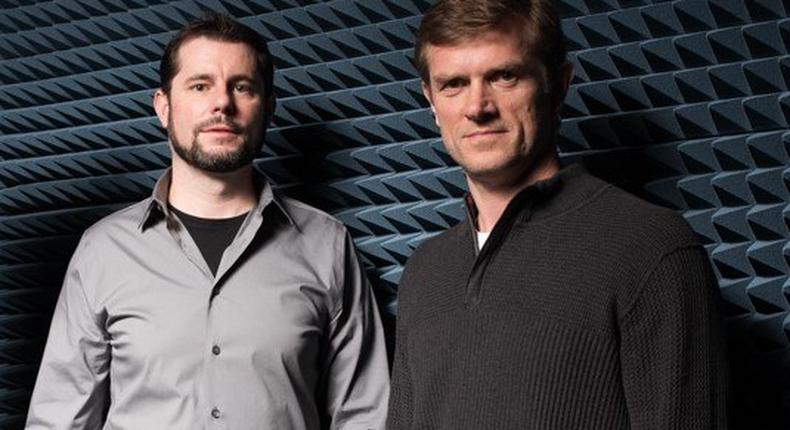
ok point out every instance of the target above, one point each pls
(615, 214)
(122, 220)
(444, 243)
(309, 218)
(439, 255)
(101, 243)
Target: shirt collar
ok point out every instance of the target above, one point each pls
(158, 209)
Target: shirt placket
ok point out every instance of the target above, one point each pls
(214, 347)
(215, 412)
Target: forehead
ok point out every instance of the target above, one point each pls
(205, 55)
(487, 50)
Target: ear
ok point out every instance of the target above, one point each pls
(426, 91)
(162, 107)
(563, 83)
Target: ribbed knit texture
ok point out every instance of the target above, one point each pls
(587, 308)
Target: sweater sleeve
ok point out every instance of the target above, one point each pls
(400, 406)
(401, 402)
(672, 350)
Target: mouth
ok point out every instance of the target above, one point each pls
(483, 133)
(219, 130)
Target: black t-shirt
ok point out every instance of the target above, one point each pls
(211, 235)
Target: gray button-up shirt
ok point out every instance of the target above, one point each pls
(285, 336)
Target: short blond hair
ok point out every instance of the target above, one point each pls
(451, 22)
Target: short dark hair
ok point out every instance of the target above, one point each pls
(449, 22)
(221, 28)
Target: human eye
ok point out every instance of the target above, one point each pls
(505, 77)
(451, 86)
(198, 87)
(452, 83)
(243, 87)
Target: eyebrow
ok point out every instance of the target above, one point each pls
(519, 65)
(511, 66)
(442, 79)
(237, 78)
(520, 68)
(200, 77)
(210, 77)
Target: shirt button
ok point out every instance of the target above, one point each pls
(215, 350)
(215, 413)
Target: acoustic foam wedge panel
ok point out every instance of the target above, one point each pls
(684, 102)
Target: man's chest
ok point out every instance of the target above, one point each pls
(158, 311)
(529, 277)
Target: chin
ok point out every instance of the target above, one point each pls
(221, 143)
(484, 173)
(490, 166)
(513, 169)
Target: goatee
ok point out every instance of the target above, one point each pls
(222, 162)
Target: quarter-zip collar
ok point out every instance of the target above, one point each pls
(534, 201)
(537, 201)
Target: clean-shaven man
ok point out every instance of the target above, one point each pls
(563, 302)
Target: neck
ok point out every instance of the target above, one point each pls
(211, 195)
(491, 199)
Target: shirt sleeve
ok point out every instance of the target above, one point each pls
(356, 374)
(672, 351)
(71, 390)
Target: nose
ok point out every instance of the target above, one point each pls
(480, 104)
(223, 101)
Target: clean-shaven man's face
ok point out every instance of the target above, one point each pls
(215, 112)
(491, 106)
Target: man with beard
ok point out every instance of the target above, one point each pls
(215, 303)
(563, 302)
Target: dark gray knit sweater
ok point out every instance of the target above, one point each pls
(587, 308)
